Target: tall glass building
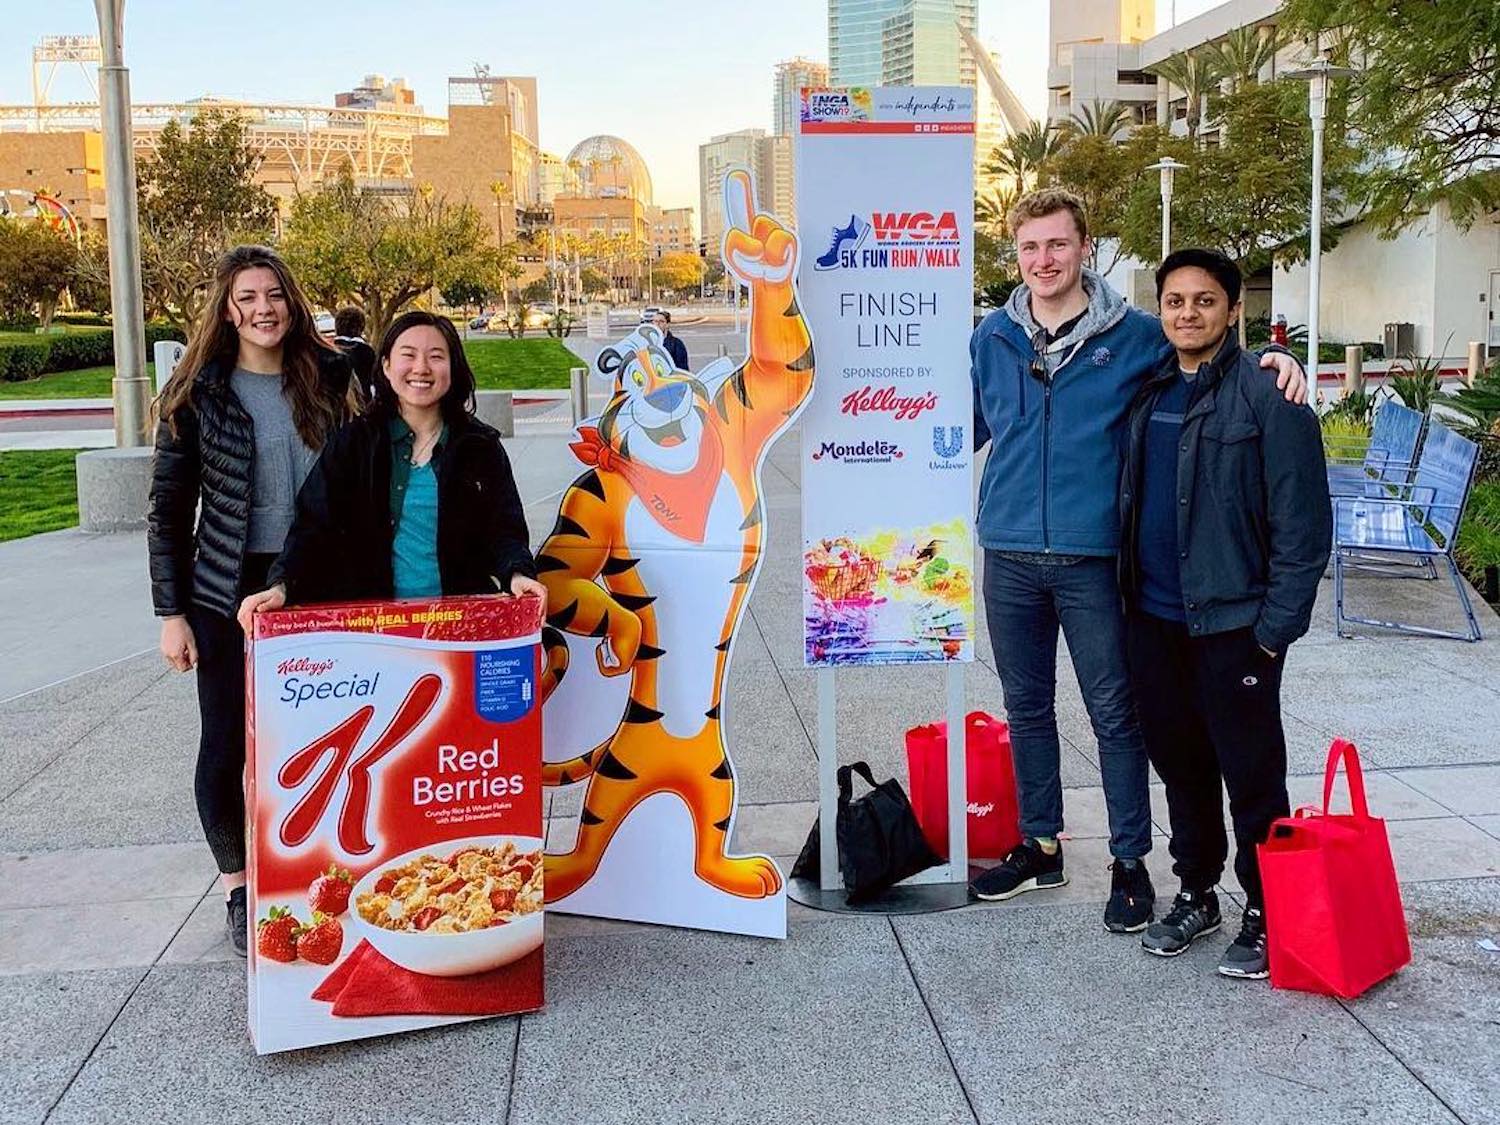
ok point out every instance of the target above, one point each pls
(900, 42)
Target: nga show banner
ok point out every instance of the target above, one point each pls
(885, 200)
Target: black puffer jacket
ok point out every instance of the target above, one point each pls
(339, 548)
(210, 458)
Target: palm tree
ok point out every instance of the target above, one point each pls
(1197, 75)
(1245, 52)
(1022, 155)
(1097, 119)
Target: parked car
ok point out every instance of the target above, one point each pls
(479, 322)
(323, 322)
(649, 314)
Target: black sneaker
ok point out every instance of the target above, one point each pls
(1027, 868)
(1246, 956)
(1193, 914)
(1132, 899)
(235, 921)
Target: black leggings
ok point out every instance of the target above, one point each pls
(220, 781)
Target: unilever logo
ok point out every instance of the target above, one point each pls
(947, 443)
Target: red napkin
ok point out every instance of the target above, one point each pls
(367, 983)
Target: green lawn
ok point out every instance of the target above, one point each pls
(499, 365)
(86, 382)
(38, 491)
(520, 365)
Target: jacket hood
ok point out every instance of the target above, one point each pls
(1106, 309)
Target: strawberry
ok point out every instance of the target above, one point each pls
(276, 935)
(329, 893)
(322, 941)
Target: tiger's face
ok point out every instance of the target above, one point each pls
(656, 413)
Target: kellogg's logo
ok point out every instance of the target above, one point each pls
(887, 400)
(305, 666)
(860, 452)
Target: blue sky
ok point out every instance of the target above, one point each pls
(665, 75)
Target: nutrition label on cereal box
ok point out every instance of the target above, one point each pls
(394, 818)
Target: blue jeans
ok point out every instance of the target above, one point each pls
(1025, 603)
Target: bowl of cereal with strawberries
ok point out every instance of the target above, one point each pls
(464, 906)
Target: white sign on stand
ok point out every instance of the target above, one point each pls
(885, 203)
(167, 354)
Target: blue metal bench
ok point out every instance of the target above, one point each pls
(1412, 522)
(1389, 457)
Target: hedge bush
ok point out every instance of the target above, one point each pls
(70, 351)
(19, 362)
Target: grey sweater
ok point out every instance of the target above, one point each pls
(282, 460)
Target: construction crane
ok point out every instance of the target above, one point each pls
(1017, 120)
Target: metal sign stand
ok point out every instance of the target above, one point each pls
(938, 888)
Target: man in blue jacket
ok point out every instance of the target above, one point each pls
(1054, 374)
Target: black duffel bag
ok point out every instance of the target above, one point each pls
(879, 840)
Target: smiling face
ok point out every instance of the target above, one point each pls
(417, 368)
(258, 309)
(1195, 314)
(1051, 254)
(656, 414)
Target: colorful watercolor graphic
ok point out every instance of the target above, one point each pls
(891, 597)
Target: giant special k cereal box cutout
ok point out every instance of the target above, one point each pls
(648, 570)
(395, 817)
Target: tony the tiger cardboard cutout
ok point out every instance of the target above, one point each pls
(648, 572)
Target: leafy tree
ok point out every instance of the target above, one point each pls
(477, 278)
(1242, 54)
(1021, 155)
(994, 250)
(197, 197)
(538, 290)
(680, 271)
(89, 282)
(1197, 75)
(1105, 173)
(36, 264)
(1097, 119)
(1427, 97)
(592, 281)
(377, 252)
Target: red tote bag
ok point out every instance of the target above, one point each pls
(994, 818)
(1333, 908)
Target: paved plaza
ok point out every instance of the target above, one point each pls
(123, 1001)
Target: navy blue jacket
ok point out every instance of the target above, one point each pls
(1254, 526)
(677, 350)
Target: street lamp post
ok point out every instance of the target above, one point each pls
(1168, 168)
(1317, 75)
(130, 389)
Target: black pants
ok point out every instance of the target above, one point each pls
(1210, 710)
(220, 780)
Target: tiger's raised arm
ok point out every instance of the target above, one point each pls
(761, 398)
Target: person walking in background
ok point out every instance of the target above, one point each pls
(349, 338)
(413, 499)
(239, 425)
(1054, 373)
(675, 347)
(1226, 528)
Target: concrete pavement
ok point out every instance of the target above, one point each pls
(124, 1002)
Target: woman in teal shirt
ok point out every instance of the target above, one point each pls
(415, 498)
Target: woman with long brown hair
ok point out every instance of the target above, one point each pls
(239, 425)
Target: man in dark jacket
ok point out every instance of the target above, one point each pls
(1226, 528)
(349, 338)
(675, 347)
